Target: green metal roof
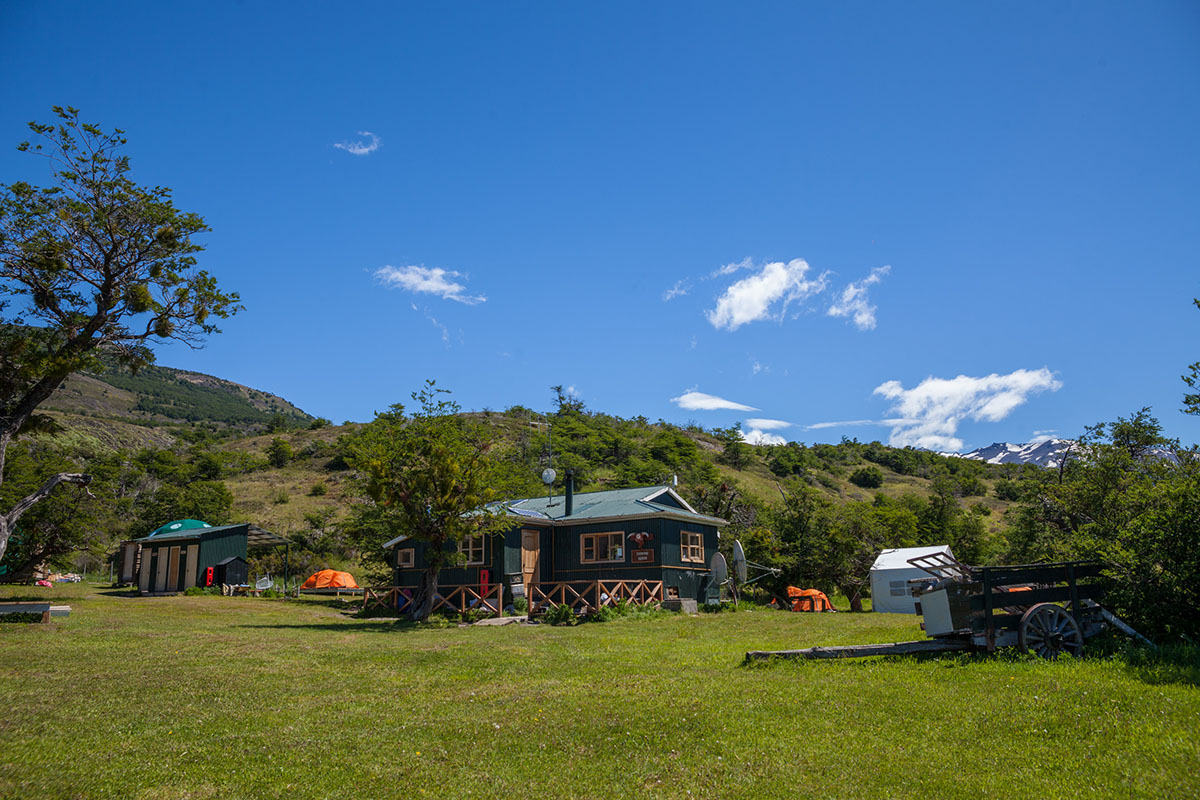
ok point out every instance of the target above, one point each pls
(255, 536)
(596, 506)
(176, 526)
(609, 504)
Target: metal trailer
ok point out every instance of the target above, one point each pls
(1044, 609)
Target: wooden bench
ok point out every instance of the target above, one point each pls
(45, 609)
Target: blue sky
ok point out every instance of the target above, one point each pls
(946, 223)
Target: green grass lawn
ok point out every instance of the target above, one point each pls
(212, 697)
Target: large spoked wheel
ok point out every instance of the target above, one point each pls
(1047, 630)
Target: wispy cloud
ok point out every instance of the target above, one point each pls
(757, 367)
(756, 436)
(847, 423)
(768, 424)
(699, 401)
(853, 300)
(1042, 436)
(680, 288)
(424, 280)
(932, 410)
(361, 147)
(729, 269)
(765, 294)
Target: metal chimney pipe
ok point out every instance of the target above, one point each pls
(570, 500)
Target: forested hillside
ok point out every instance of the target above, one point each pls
(157, 395)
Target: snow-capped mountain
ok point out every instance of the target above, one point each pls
(1046, 453)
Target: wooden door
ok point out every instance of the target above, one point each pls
(531, 547)
(144, 571)
(189, 566)
(160, 574)
(173, 570)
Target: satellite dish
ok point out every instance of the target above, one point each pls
(548, 476)
(718, 570)
(739, 561)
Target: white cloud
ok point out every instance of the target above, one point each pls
(765, 295)
(1042, 436)
(756, 436)
(853, 300)
(423, 280)
(818, 426)
(768, 424)
(729, 269)
(680, 288)
(699, 401)
(757, 367)
(932, 410)
(360, 147)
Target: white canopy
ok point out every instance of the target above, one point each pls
(890, 590)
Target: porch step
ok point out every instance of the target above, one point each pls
(501, 620)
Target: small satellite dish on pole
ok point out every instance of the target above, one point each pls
(548, 476)
(739, 561)
(718, 570)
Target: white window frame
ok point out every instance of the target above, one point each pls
(472, 544)
(593, 539)
(686, 547)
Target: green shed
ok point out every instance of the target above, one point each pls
(185, 553)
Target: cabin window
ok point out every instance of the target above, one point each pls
(898, 588)
(472, 549)
(691, 546)
(601, 547)
(406, 558)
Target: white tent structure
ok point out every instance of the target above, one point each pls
(890, 590)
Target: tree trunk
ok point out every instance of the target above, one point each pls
(422, 604)
(853, 595)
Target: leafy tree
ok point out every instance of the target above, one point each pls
(279, 453)
(1135, 510)
(867, 477)
(431, 476)
(734, 450)
(94, 264)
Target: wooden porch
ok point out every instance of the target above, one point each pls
(581, 596)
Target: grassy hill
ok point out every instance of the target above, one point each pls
(166, 396)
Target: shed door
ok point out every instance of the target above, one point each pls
(144, 572)
(173, 570)
(531, 545)
(160, 574)
(128, 557)
(189, 566)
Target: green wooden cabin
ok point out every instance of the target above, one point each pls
(179, 554)
(646, 533)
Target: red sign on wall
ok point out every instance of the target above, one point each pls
(644, 556)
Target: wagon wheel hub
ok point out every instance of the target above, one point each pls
(1046, 630)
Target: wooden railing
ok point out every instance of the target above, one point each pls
(460, 598)
(584, 596)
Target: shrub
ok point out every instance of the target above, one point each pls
(280, 498)
(196, 591)
(279, 453)
(560, 614)
(520, 605)
(867, 477)
(318, 490)
(1008, 490)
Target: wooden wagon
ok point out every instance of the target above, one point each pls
(1044, 609)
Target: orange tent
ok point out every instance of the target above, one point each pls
(808, 599)
(330, 579)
